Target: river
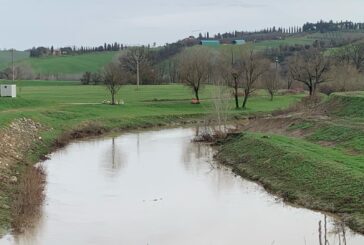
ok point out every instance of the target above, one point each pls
(158, 188)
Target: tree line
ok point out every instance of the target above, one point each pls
(46, 51)
(242, 70)
(275, 32)
(330, 26)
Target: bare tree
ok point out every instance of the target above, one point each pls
(134, 60)
(356, 53)
(310, 68)
(271, 81)
(231, 72)
(86, 78)
(172, 70)
(285, 74)
(113, 79)
(343, 77)
(253, 67)
(350, 54)
(18, 72)
(220, 107)
(194, 67)
(96, 78)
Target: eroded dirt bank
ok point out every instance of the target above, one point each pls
(16, 141)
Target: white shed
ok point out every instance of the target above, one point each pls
(8, 90)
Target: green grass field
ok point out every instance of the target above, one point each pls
(76, 64)
(65, 105)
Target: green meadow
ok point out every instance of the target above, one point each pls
(62, 105)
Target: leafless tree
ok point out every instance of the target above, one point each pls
(19, 72)
(113, 79)
(343, 77)
(231, 72)
(220, 106)
(311, 68)
(194, 67)
(356, 53)
(350, 54)
(271, 80)
(172, 70)
(134, 60)
(253, 67)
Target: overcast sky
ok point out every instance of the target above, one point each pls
(28, 23)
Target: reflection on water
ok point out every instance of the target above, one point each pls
(113, 161)
(159, 188)
(337, 234)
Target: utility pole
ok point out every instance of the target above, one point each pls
(12, 62)
(138, 75)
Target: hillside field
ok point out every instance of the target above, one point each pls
(5, 57)
(73, 66)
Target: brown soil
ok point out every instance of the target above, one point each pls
(15, 142)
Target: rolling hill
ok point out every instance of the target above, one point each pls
(5, 57)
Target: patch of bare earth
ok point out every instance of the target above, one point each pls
(16, 140)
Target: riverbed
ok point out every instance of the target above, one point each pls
(159, 188)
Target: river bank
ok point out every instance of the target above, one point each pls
(312, 157)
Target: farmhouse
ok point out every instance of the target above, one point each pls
(8, 91)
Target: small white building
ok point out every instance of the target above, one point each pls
(8, 90)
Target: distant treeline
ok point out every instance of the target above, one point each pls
(243, 34)
(331, 26)
(274, 32)
(45, 51)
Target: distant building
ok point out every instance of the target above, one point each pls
(56, 52)
(210, 43)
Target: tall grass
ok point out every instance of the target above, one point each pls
(28, 199)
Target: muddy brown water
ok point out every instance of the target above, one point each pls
(158, 188)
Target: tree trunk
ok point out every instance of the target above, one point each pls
(112, 98)
(246, 95)
(197, 97)
(236, 101)
(271, 96)
(310, 88)
(236, 95)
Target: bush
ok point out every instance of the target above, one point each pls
(86, 78)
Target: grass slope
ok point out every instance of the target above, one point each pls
(6, 58)
(75, 64)
(320, 165)
(301, 172)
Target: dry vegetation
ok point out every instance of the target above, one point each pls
(28, 199)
